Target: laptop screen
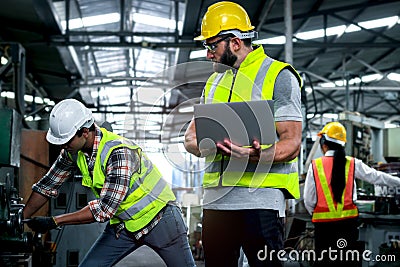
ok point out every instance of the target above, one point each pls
(241, 122)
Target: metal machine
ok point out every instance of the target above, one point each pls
(380, 225)
(16, 245)
(379, 206)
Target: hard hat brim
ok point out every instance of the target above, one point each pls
(199, 38)
(340, 142)
(55, 140)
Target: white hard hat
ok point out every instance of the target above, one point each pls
(66, 118)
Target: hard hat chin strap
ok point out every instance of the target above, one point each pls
(241, 35)
(88, 123)
(334, 140)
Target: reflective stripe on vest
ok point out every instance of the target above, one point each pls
(211, 89)
(148, 192)
(327, 209)
(217, 89)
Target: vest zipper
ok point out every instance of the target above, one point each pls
(221, 172)
(233, 81)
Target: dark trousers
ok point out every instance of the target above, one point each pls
(341, 236)
(256, 231)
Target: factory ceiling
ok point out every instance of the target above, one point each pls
(135, 61)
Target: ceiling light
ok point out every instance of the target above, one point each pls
(327, 85)
(91, 21)
(352, 28)
(310, 116)
(372, 77)
(273, 40)
(3, 61)
(355, 80)
(28, 98)
(156, 21)
(333, 116)
(198, 54)
(7, 94)
(376, 23)
(186, 109)
(394, 76)
(36, 118)
(337, 30)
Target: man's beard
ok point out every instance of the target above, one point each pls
(227, 61)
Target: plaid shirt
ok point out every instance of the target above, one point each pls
(145, 230)
(121, 165)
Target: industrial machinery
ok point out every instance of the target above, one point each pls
(16, 245)
(380, 224)
(379, 206)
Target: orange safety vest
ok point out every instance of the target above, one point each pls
(327, 209)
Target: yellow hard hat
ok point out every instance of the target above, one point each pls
(224, 16)
(334, 132)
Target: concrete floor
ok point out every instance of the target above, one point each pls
(145, 257)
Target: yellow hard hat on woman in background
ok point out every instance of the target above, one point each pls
(334, 132)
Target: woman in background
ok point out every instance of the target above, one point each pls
(329, 195)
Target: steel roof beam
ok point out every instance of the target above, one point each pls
(155, 45)
(369, 4)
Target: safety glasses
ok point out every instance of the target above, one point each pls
(213, 46)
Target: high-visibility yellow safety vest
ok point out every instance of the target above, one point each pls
(148, 192)
(254, 80)
(327, 209)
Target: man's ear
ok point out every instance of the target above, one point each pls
(85, 131)
(236, 43)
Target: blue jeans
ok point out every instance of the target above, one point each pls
(168, 239)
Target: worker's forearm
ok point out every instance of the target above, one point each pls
(191, 147)
(82, 216)
(287, 150)
(190, 141)
(34, 203)
(280, 152)
(289, 144)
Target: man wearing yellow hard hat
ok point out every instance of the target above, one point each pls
(246, 209)
(330, 192)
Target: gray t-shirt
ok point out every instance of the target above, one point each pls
(287, 107)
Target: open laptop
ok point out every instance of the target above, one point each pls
(241, 122)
